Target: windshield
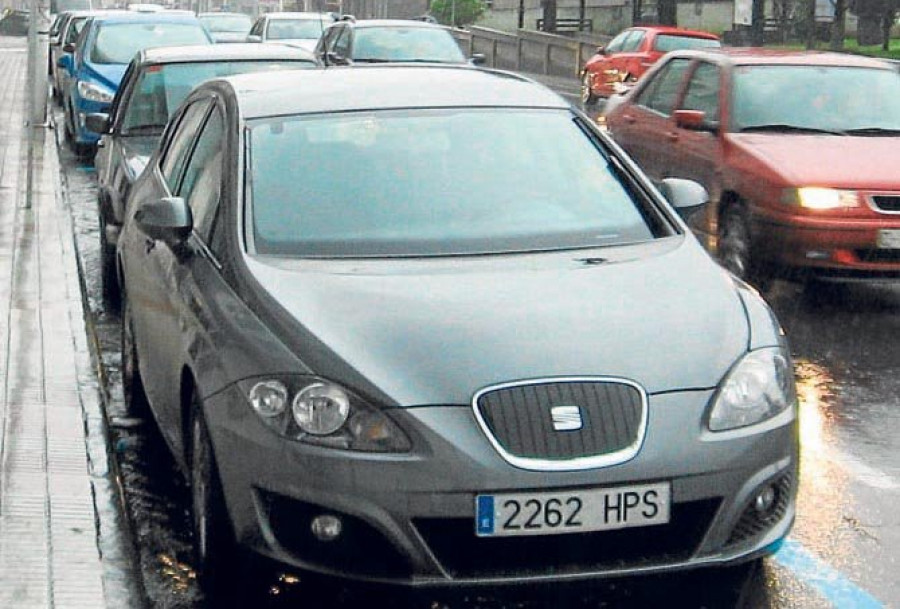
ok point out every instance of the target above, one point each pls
(286, 29)
(669, 42)
(161, 89)
(434, 182)
(118, 42)
(228, 23)
(815, 98)
(406, 44)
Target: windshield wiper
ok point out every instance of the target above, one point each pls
(784, 128)
(370, 60)
(872, 131)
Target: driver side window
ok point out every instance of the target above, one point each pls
(661, 93)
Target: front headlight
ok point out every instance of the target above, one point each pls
(316, 411)
(93, 92)
(813, 197)
(758, 388)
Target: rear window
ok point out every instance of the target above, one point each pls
(286, 29)
(406, 44)
(669, 42)
(118, 42)
(435, 182)
(161, 89)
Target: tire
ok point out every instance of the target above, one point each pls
(587, 96)
(136, 403)
(112, 295)
(735, 247)
(215, 554)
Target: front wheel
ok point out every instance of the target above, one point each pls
(736, 248)
(108, 276)
(587, 95)
(214, 548)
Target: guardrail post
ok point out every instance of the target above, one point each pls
(494, 53)
(547, 58)
(518, 54)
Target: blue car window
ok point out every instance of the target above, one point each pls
(118, 42)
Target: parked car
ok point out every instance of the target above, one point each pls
(99, 60)
(227, 27)
(154, 85)
(468, 358)
(630, 53)
(387, 40)
(798, 150)
(299, 29)
(69, 26)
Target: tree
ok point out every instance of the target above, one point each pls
(456, 12)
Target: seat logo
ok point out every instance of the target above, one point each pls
(566, 418)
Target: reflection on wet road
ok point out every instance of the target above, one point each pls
(842, 552)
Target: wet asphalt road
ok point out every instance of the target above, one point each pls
(842, 552)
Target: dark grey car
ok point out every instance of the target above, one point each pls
(155, 83)
(444, 336)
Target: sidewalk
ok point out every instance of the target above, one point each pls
(60, 545)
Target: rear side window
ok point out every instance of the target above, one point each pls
(667, 42)
(661, 93)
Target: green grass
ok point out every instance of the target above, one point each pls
(850, 46)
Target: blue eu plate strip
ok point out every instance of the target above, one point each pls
(485, 513)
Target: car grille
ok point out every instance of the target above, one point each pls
(522, 420)
(463, 554)
(878, 256)
(888, 203)
(752, 523)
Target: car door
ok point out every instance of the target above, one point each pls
(641, 125)
(152, 273)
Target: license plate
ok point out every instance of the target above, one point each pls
(889, 238)
(572, 512)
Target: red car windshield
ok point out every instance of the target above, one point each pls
(834, 99)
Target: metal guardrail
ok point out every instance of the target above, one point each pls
(529, 51)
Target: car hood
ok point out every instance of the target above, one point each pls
(434, 331)
(827, 160)
(109, 74)
(136, 151)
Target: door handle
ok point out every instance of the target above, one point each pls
(672, 136)
(629, 119)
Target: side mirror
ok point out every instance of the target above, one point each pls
(254, 38)
(477, 59)
(69, 47)
(686, 196)
(601, 50)
(98, 122)
(695, 120)
(168, 219)
(335, 59)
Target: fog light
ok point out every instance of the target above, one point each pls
(326, 527)
(765, 500)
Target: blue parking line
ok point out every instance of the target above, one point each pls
(830, 583)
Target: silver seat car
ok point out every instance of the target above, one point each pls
(444, 336)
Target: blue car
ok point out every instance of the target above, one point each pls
(101, 55)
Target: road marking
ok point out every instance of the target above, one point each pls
(827, 581)
(866, 474)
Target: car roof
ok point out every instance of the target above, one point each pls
(134, 16)
(300, 15)
(392, 23)
(387, 87)
(223, 52)
(675, 31)
(759, 56)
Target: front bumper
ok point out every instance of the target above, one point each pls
(410, 519)
(834, 247)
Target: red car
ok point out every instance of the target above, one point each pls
(799, 152)
(631, 53)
